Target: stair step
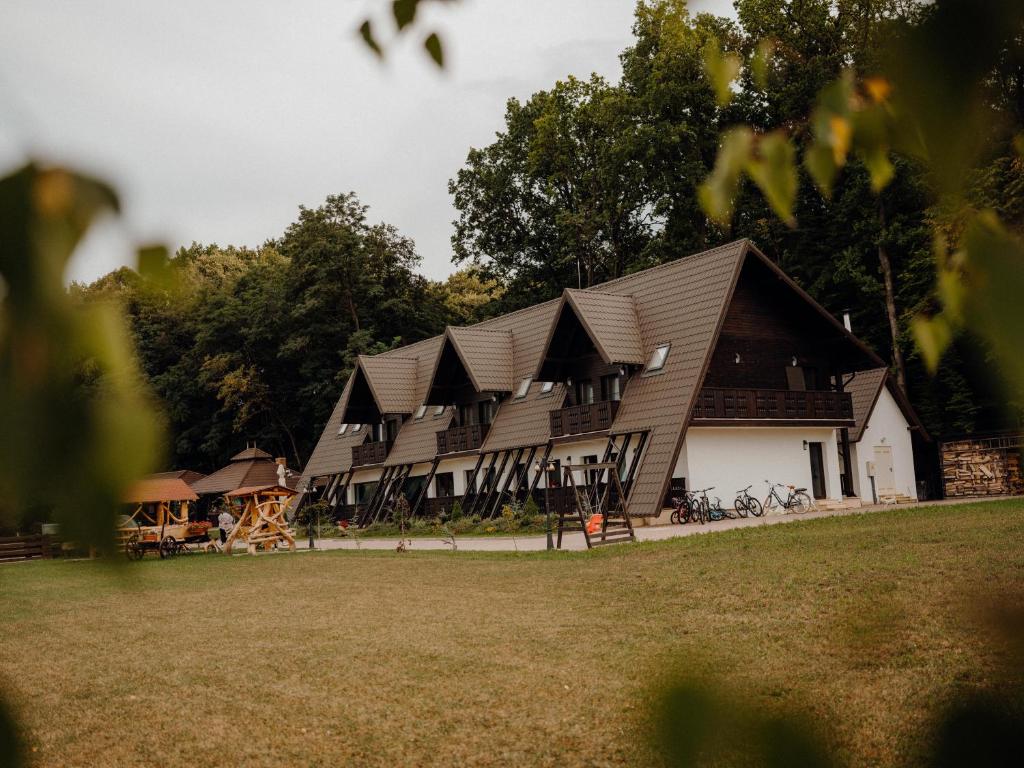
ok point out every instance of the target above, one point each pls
(620, 540)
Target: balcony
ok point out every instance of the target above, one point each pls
(578, 419)
(467, 438)
(370, 453)
(719, 405)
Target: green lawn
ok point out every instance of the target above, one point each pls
(866, 624)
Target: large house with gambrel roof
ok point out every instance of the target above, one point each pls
(711, 370)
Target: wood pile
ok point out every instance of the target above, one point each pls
(981, 467)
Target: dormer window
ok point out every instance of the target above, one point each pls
(421, 412)
(546, 387)
(343, 429)
(658, 358)
(524, 387)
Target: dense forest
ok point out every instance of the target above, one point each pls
(587, 180)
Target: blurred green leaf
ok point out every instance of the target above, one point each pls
(932, 336)
(404, 12)
(761, 61)
(722, 69)
(773, 169)
(821, 165)
(718, 191)
(366, 32)
(434, 48)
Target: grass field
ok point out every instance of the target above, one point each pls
(865, 624)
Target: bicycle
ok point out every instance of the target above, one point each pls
(746, 504)
(796, 501)
(685, 508)
(711, 511)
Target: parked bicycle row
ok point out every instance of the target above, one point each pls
(697, 507)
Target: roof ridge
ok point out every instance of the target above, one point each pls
(674, 262)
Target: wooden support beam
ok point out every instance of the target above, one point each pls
(495, 506)
(426, 487)
(635, 463)
(470, 495)
(476, 495)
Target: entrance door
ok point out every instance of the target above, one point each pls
(817, 470)
(885, 478)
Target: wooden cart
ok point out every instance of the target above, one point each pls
(159, 522)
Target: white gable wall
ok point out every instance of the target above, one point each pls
(731, 458)
(886, 427)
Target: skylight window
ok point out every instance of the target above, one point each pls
(658, 357)
(421, 411)
(356, 428)
(342, 429)
(546, 387)
(524, 387)
(439, 410)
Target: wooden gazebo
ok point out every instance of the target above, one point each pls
(160, 501)
(261, 522)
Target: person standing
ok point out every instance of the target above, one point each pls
(226, 523)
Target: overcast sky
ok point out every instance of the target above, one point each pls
(216, 120)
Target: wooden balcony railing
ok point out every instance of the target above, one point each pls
(720, 403)
(370, 453)
(578, 419)
(467, 438)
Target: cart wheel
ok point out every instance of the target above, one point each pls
(168, 547)
(133, 547)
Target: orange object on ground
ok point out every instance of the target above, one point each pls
(594, 523)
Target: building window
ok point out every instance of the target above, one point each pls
(357, 428)
(343, 429)
(546, 387)
(485, 411)
(524, 387)
(584, 392)
(466, 414)
(421, 412)
(469, 481)
(658, 358)
(591, 474)
(611, 387)
(439, 410)
(364, 492)
(444, 485)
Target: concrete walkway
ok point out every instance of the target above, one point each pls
(575, 541)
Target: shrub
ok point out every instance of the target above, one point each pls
(456, 511)
(530, 508)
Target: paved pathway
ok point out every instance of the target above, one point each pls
(643, 533)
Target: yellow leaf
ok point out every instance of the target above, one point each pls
(878, 88)
(932, 335)
(841, 134)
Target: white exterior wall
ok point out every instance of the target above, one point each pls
(886, 426)
(731, 458)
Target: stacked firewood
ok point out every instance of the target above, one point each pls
(969, 468)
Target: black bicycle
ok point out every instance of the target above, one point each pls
(796, 501)
(710, 510)
(746, 504)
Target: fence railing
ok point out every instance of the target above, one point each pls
(467, 438)
(768, 404)
(25, 547)
(578, 419)
(370, 453)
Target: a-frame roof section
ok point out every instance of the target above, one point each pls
(865, 388)
(610, 321)
(382, 384)
(485, 355)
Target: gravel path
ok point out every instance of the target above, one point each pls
(643, 533)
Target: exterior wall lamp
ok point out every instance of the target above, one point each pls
(805, 445)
